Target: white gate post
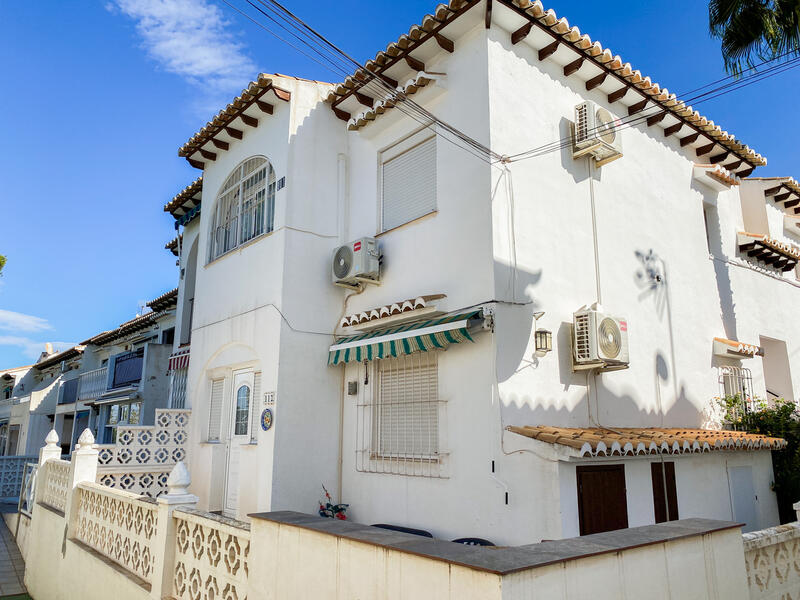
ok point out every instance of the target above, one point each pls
(796, 507)
(83, 467)
(51, 449)
(177, 496)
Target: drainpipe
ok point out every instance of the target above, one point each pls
(342, 198)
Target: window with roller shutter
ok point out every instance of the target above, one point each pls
(407, 413)
(408, 180)
(215, 410)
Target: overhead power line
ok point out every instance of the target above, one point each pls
(315, 46)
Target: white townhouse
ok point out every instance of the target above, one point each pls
(513, 349)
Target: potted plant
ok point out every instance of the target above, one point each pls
(330, 510)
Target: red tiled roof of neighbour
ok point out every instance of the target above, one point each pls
(191, 194)
(595, 441)
(159, 307)
(703, 135)
(172, 245)
(55, 359)
(164, 301)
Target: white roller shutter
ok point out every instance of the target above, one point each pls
(407, 416)
(409, 185)
(215, 409)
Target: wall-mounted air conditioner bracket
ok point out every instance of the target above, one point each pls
(609, 368)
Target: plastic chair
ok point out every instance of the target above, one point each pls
(420, 532)
(473, 542)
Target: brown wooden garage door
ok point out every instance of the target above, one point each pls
(602, 501)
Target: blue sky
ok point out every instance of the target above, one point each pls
(98, 96)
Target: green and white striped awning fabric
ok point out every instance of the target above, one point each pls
(404, 339)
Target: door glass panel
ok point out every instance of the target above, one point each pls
(113, 415)
(242, 410)
(135, 414)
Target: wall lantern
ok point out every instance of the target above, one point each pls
(543, 337)
(544, 342)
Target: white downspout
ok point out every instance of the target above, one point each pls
(342, 199)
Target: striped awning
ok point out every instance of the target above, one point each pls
(185, 218)
(179, 359)
(420, 336)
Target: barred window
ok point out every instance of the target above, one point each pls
(177, 388)
(245, 206)
(400, 417)
(738, 382)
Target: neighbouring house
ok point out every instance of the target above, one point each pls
(561, 297)
(13, 383)
(118, 377)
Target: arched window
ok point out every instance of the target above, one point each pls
(245, 207)
(242, 410)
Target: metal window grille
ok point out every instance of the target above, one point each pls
(245, 207)
(255, 406)
(737, 381)
(177, 391)
(215, 410)
(401, 418)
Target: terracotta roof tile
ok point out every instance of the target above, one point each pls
(191, 194)
(389, 310)
(621, 441)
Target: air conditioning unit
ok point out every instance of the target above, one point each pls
(600, 341)
(596, 133)
(356, 263)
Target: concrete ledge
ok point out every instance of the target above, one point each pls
(503, 560)
(770, 536)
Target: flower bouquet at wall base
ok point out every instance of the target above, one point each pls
(330, 510)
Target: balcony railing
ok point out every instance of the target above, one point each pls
(92, 384)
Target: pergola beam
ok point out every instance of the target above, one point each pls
(548, 50)
(596, 81)
(574, 66)
(521, 33)
(265, 107)
(415, 64)
(445, 43)
(248, 120)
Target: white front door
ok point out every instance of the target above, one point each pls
(238, 434)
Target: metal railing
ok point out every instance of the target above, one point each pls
(92, 383)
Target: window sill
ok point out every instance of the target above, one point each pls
(426, 216)
(239, 248)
